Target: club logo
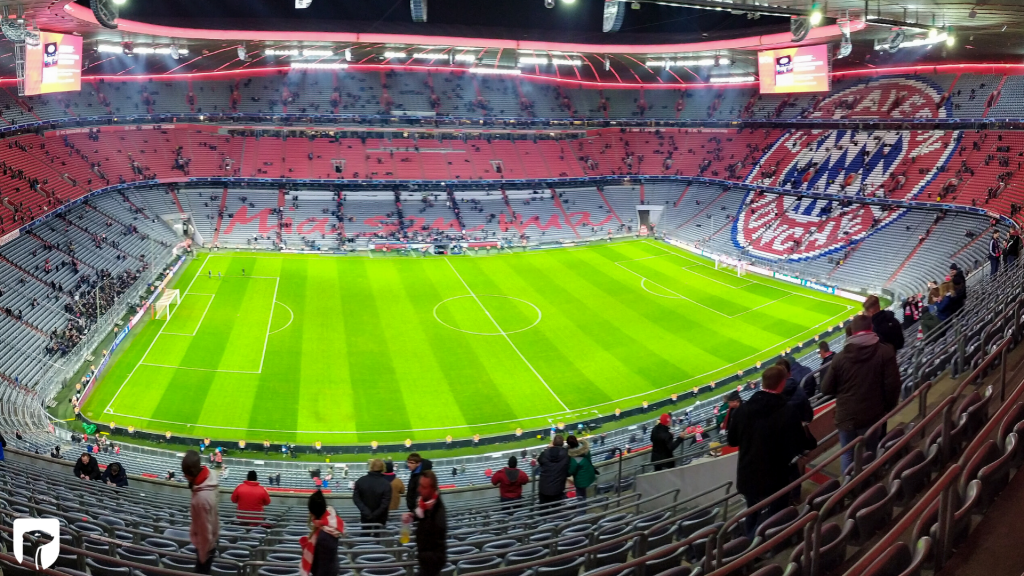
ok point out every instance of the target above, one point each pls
(46, 554)
(896, 164)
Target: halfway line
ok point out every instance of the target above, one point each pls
(507, 339)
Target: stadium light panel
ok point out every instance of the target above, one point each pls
(731, 79)
(465, 58)
(394, 55)
(317, 53)
(496, 71)
(531, 60)
(280, 52)
(319, 65)
(119, 2)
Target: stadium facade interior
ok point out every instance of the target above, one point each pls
(298, 238)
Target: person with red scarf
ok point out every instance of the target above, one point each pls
(431, 526)
(320, 548)
(204, 531)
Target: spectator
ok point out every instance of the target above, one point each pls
(1012, 251)
(320, 548)
(865, 380)
(581, 466)
(431, 525)
(727, 409)
(769, 434)
(114, 475)
(372, 495)
(86, 467)
(664, 443)
(995, 252)
(554, 471)
(204, 532)
(397, 487)
(55, 453)
(825, 353)
(417, 465)
(250, 497)
(510, 481)
(884, 323)
(795, 393)
(959, 280)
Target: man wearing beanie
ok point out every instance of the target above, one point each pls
(510, 482)
(397, 487)
(664, 443)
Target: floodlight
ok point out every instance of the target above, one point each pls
(950, 39)
(242, 54)
(614, 13)
(932, 32)
(174, 51)
(106, 12)
(799, 27)
(303, 3)
(568, 1)
(549, 3)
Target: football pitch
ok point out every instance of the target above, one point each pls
(346, 349)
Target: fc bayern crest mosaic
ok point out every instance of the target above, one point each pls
(896, 164)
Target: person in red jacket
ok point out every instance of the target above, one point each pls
(250, 497)
(510, 482)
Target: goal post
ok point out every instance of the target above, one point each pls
(725, 262)
(165, 306)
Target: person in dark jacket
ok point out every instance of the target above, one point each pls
(372, 495)
(1012, 251)
(86, 467)
(727, 409)
(664, 443)
(431, 525)
(769, 434)
(115, 475)
(794, 393)
(865, 379)
(825, 353)
(884, 323)
(956, 275)
(995, 253)
(554, 470)
(417, 465)
(320, 548)
(510, 482)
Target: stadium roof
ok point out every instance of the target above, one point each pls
(691, 34)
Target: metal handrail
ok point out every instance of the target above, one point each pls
(947, 481)
(805, 523)
(944, 409)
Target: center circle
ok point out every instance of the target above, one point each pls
(478, 314)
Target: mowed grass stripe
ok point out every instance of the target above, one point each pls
(522, 390)
(644, 334)
(371, 369)
(542, 345)
(364, 352)
(277, 393)
(186, 393)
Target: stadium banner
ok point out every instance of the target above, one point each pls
(9, 236)
(124, 331)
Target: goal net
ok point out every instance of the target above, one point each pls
(727, 263)
(165, 306)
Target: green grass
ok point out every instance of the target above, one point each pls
(354, 349)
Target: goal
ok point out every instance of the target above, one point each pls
(727, 263)
(165, 306)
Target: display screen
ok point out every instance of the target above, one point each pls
(54, 65)
(801, 69)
